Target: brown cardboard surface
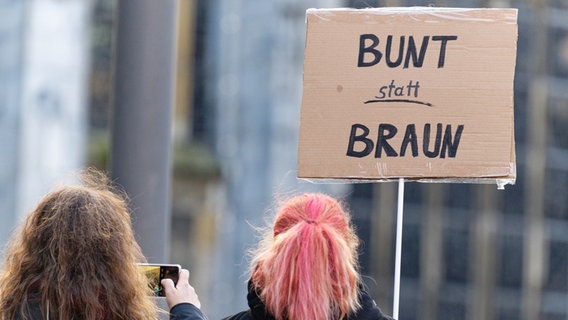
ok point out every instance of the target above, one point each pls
(459, 75)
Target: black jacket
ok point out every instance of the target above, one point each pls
(369, 309)
(186, 311)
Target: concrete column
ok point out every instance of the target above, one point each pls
(535, 251)
(142, 118)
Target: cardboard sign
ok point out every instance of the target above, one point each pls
(416, 93)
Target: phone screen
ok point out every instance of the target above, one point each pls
(156, 272)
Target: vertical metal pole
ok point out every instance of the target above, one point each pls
(142, 119)
(399, 216)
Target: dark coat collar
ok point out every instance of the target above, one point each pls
(369, 310)
(257, 309)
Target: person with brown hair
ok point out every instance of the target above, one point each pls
(74, 257)
(306, 266)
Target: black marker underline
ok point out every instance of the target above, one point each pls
(399, 100)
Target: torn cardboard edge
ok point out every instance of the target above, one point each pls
(500, 182)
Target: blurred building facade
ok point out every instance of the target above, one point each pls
(248, 76)
(44, 62)
(469, 251)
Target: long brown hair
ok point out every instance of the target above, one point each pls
(77, 252)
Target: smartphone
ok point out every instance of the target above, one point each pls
(156, 272)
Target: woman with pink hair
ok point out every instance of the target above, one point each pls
(306, 267)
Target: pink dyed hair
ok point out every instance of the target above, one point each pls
(306, 267)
